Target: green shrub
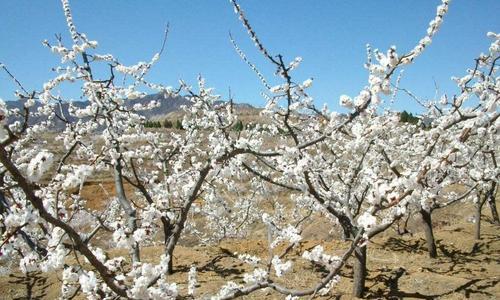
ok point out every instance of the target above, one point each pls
(167, 123)
(239, 126)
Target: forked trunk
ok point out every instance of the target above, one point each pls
(177, 227)
(359, 272)
(429, 234)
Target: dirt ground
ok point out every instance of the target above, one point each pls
(398, 266)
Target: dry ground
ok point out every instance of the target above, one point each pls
(399, 267)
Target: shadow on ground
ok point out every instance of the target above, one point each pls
(34, 283)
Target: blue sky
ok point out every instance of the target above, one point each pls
(330, 36)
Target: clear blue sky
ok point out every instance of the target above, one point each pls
(329, 35)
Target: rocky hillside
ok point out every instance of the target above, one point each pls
(168, 105)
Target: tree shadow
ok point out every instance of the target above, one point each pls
(454, 253)
(391, 288)
(213, 265)
(34, 283)
(390, 282)
(458, 258)
(400, 245)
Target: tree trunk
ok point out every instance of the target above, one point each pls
(494, 211)
(429, 234)
(167, 231)
(127, 208)
(359, 272)
(479, 207)
(492, 204)
(178, 226)
(170, 270)
(3, 210)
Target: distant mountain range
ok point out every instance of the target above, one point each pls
(167, 106)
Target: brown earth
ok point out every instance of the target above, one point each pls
(399, 267)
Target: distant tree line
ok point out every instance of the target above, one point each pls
(406, 117)
(152, 124)
(178, 124)
(164, 124)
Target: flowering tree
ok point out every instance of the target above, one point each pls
(366, 170)
(473, 138)
(459, 146)
(347, 167)
(42, 192)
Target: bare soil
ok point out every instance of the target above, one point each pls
(399, 267)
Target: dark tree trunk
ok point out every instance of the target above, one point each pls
(492, 204)
(170, 253)
(359, 272)
(170, 270)
(177, 226)
(167, 231)
(479, 207)
(429, 234)
(494, 211)
(3, 209)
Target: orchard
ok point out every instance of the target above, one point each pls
(361, 174)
